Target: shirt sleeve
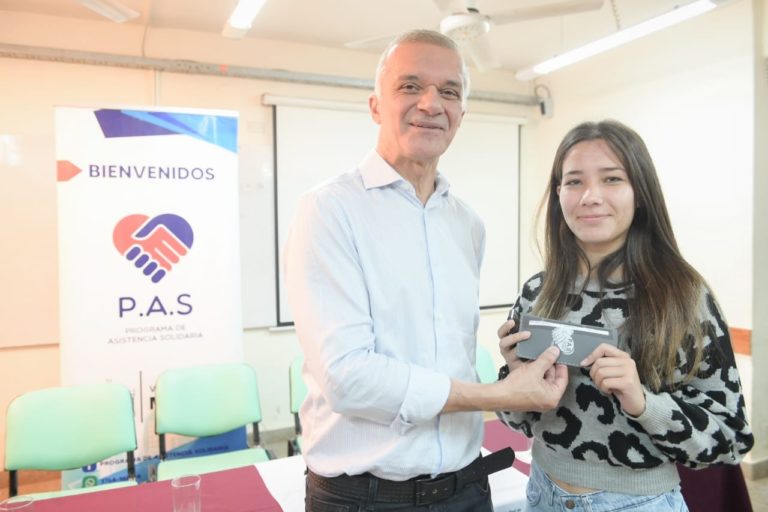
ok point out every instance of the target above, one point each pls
(703, 421)
(329, 300)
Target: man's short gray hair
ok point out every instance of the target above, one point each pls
(428, 37)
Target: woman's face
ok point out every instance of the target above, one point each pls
(596, 197)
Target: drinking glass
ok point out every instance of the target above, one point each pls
(186, 493)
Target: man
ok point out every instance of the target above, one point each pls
(382, 270)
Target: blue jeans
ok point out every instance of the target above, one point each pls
(473, 497)
(543, 495)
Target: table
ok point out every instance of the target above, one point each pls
(281, 477)
(285, 477)
(278, 486)
(234, 490)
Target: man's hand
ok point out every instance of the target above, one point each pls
(533, 386)
(536, 385)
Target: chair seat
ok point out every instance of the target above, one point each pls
(81, 490)
(169, 469)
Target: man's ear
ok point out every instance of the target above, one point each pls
(373, 106)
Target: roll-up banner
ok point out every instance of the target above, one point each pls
(149, 266)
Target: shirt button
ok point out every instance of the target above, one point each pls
(569, 504)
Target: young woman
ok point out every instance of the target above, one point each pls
(670, 393)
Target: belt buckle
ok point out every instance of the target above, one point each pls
(430, 490)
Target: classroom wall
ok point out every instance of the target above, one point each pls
(29, 89)
(758, 458)
(694, 106)
(689, 91)
(694, 92)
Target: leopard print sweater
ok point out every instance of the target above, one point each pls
(589, 441)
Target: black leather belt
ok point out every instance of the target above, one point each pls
(419, 490)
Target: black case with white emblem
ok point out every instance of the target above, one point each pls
(575, 341)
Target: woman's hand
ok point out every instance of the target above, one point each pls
(614, 371)
(508, 341)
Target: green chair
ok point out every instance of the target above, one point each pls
(69, 427)
(486, 370)
(298, 391)
(204, 401)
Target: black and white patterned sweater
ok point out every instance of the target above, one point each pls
(589, 441)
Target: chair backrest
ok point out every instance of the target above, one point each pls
(206, 400)
(296, 384)
(69, 427)
(486, 370)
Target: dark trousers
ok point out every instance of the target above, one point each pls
(473, 497)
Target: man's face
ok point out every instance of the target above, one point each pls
(419, 105)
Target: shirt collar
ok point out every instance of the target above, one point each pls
(376, 172)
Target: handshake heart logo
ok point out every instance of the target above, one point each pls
(154, 245)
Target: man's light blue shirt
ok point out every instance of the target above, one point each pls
(384, 294)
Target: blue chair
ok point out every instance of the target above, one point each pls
(69, 427)
(204, 401)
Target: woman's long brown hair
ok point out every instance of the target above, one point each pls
(666, 301)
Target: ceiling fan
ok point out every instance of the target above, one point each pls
(464, 23)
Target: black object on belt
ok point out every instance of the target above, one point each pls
(419, 490)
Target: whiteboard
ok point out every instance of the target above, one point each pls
(314, 143)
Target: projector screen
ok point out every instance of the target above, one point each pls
(315, 142)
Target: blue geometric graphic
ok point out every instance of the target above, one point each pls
(218, 130)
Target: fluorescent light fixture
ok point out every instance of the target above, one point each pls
(111, 9)
(618, 38)
(239, 22)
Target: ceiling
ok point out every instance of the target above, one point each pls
(333, 22)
